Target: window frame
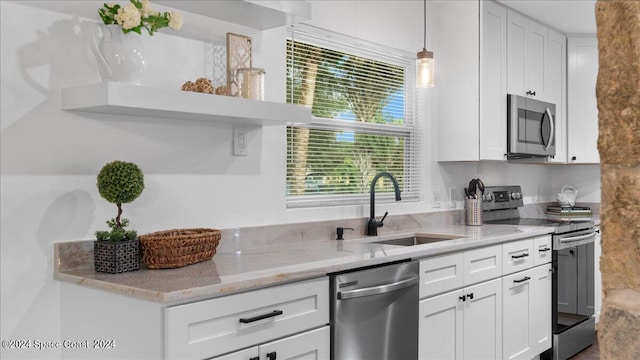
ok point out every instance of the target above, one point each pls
(411, 130)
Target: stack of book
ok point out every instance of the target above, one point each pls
(569, 212)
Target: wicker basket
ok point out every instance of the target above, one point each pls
(180, 247)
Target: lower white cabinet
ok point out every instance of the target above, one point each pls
(527, 312)
(462, 324)
(502, 313)
(222, 325)
(311, 345)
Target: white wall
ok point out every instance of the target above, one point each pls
(49, 158)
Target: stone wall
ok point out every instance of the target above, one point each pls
(618, 93)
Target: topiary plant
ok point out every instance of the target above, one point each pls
(119, 182)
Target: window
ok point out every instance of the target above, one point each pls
(361, 96)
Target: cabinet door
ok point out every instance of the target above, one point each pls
(493, 81)
(556, 78)
(441, 274)
(482, 321)
(440, 327)
(517, 315)
(482, 264)
(536, 55)
(516, 53)
(583, 107)
(540, 329)
(311, 345)
(517, 256)
(252, 353)
(541, 250)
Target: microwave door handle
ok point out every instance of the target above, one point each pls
(552, 133)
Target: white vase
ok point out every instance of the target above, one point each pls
(120, 56)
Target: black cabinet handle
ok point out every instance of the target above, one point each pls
(470, 296)
(519, 256)
(271, 355)
(463, 298)
(260, 317)
(532, 93)
(574, 158)
(522, 280)
(255, 358)
(544, 250)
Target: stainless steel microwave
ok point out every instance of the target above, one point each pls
(530, 128)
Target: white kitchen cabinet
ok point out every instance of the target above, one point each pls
(212, 327)
(517, 256)
(462, 324)
(527, 312)
(471, 53)
(556, 81)
(224, 326)
(527, 42)
(582, 117)
(542, 250)
(311, 345)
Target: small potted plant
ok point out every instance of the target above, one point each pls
(118, 250)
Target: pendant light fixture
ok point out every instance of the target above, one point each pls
(425, 66)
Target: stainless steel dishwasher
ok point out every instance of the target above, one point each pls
(374, 313)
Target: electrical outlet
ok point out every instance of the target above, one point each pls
(435, 201)
(239, 141)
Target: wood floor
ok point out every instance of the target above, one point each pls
(590, 353)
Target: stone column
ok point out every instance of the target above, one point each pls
(618, 93)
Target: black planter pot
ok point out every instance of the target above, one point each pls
(116, 257)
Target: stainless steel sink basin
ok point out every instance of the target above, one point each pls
(417, 240)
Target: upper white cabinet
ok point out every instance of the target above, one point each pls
(556, 81)
(471, 92)
(527, 47)
(583, 107)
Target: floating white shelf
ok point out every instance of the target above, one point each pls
(124, 99)
(207, 21)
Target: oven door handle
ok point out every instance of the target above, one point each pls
(577, 238)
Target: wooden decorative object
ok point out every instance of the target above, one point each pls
(238, 56)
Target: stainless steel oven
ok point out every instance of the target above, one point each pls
(573, 324)
(530, 128)
(573, 293)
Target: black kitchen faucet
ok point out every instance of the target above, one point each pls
(373, 224)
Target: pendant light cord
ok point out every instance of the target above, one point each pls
(425, 25)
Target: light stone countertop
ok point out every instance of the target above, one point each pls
(229, 273)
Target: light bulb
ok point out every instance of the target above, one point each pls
(425, 67)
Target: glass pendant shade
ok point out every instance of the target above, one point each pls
(425, 68)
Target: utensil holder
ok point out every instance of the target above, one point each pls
(473, 212)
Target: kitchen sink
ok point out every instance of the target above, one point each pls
(417, 240)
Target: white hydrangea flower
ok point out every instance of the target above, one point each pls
(128, 17)
(175, 20)
(146, 9)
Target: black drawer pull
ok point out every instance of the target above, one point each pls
(544, 250)
(519, 256)
(260, 317)
(522, 280)
(255, 358)
(463, 298)
(271, 355)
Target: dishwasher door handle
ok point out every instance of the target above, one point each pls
(377, 290)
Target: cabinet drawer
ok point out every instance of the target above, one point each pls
(217, 326)
(482, 264)
(517, 256)
(542, 250)
(441, 273)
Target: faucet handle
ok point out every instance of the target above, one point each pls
(380, 223)
(340, 232)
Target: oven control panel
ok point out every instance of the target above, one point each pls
(502, 197)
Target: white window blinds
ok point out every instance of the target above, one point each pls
(361, 95)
